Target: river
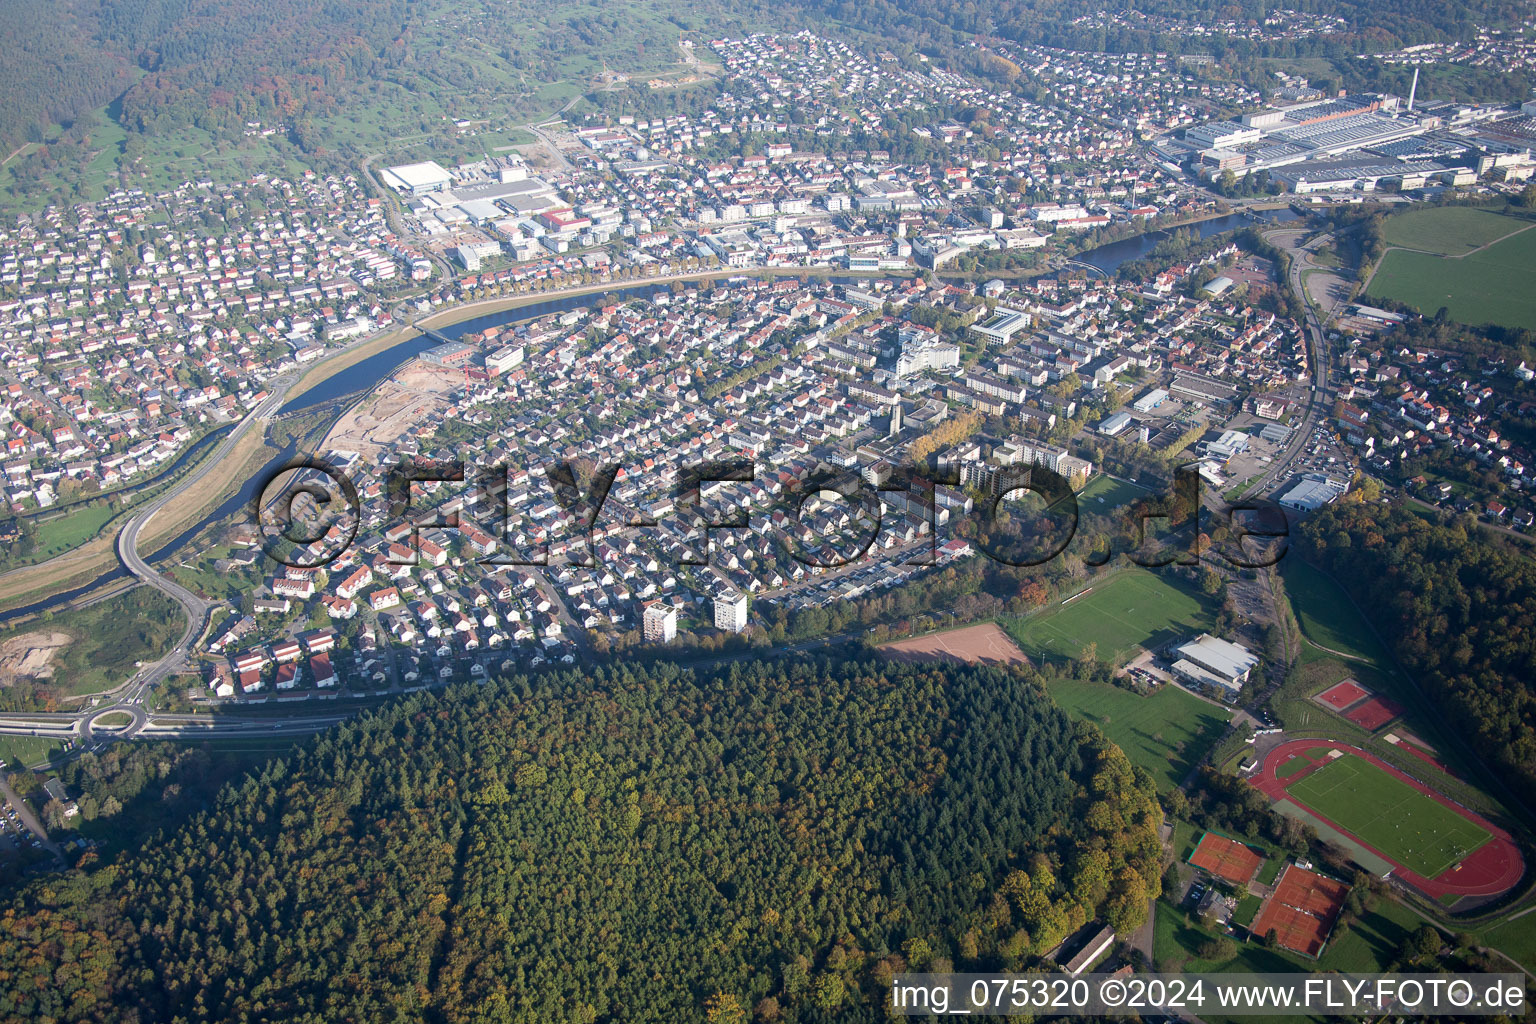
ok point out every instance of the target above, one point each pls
(366, 373)
(1110, 256)
(354, 380)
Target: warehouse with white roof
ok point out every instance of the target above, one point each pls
(416, 179)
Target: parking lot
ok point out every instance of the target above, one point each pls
(14, 834)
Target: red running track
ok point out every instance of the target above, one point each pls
(1491, 869)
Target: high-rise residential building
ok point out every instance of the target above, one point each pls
(731, 612)
(660, 622)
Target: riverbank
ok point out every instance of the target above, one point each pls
(460, 313)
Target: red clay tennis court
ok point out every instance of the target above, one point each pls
(1374, 713)
(1343, 694)
(1226, 858)
(1301, 911)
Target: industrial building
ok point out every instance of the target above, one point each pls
(416, 179)
(1364, 174)
(1347, 143)
(1114, 423)
(1312, 492)
(1151, 400)
(1200, 389)
(1230, 443)
(1275, 433)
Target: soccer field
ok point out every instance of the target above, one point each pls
(1406, 825)
(1489, 286)
(1105, 493)
(1136, 608)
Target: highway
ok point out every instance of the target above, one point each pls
(129, 698)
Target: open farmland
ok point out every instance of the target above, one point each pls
(1489, 286)
(1448, 230)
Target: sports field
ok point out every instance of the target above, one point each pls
(1406, 825)
(1166, 733)
(1104, 493)
(1448, 230)
(1302, 910)
(1227, 858)
(1490, 285)
(1137, 608)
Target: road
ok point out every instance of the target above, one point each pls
(29, 819)
(129, 698)
(1319, 398)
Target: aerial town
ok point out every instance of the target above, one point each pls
(137, 330)
(830, 501)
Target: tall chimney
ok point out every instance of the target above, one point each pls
(1413, 88)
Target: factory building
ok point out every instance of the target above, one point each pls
(416, 179)
(1114, 424)
(1312, 492)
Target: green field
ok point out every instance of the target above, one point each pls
(1137, 608)
(1166, 733)
(1326, 615)
(1448, 230)
(24, 750)
(1492, 285)
(1516, 938)
(65, 531)
(1408, 826)
(1104, 493)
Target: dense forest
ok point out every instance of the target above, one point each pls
(52, 72)
(636, 845)
(1459, 611)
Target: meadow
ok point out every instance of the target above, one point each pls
(1166, 733)
(1448, 230)
(1489, 286)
